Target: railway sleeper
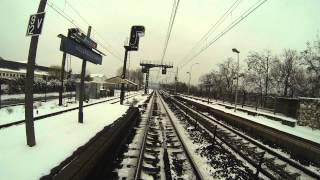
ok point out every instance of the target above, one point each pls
(151, 160)
(152, 151)
(151, 170)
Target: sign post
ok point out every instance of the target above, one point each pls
(34, 30)
(62, 72)
(81, 46)
(82, 90)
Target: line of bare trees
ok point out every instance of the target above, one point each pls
(290, 73)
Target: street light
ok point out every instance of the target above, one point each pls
(236, 98)
(190, 77)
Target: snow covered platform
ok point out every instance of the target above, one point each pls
(58, 140)
(302, 132)
(251, 111)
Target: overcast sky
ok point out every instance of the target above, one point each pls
(276, 25)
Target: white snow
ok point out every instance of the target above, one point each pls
(18, 112)
(57, 138)
(21, 96)
(300, 131)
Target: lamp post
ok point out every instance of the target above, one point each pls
(236, 98)
(190, 77)
(189, 83)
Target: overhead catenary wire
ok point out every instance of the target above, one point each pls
(170, 26)
(62, 14)
(110, 49)
(212, 29)
(77, 25)
(227, 29)
(169, 30)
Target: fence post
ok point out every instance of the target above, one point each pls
(243, 98)
(275, 105)
(214, 134)
(257, 99)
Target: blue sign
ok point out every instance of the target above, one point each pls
(72, 47)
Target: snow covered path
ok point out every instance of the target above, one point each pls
(57, 137)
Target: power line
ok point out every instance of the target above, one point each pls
(110, 49)
(72, 21)
(169, 30)
(77, 12)
(213, 28)
(227, 29)
(171, 22)
(62, 14)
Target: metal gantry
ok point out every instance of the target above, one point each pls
(146, 66)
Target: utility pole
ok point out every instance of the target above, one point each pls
(31, 141)
(176, 82)
(123, 76)
(190, 76)
(45, 88)
(189, 82)
(82, 90)
(267, 75)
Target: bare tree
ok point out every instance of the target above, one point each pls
(311, 58)
(228, 70)
(259, 67)
(288, 67)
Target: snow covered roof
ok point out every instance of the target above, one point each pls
(24, 71)
(97, 75)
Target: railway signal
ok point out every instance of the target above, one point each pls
(136, 33)
(146, 69)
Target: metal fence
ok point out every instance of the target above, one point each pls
(271, 103)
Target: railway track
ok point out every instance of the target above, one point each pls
(18, 102)
(113, 101)
(269, 163)
(163, 154)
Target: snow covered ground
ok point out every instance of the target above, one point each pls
(57, 138)
(21, 96)
(16, 113)
(300, 131)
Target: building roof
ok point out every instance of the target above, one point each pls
(97, 75)
(23, 71)
(15, 65)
